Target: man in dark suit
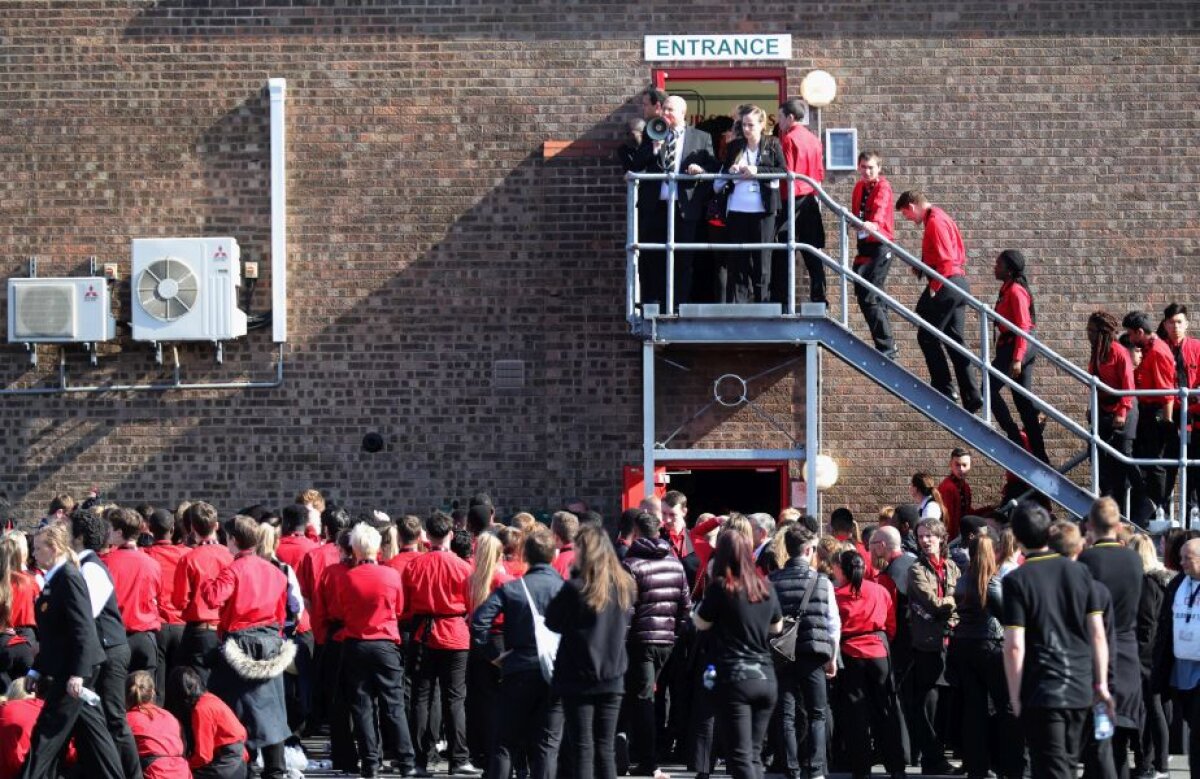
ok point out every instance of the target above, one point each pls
(68, 662)
(684, 150)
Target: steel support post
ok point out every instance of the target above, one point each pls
(812, 426)
(648, 419)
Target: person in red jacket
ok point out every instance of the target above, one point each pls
(294, 546)
(872, 203)
(250, 595)
(155, 730)
(1156, 415)
(369, 603)
(25, 587)
(137, 581)
(942, 306)
(332, 697)
(873, 708)
(214, 739)
(1013, 355)
(203, 563)
(1112, 364)
(803, 154)
(167, 554)
(435, 597)
(18, 715)
(564, 525)
(1186, 351)
(955, 491)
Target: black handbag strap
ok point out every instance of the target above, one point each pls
(808, 593)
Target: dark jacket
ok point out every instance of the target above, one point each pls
(543, 583)
(770, 160)
(70, 645)
(591, 656)
(1164, 639)
(1154, 590)
(790, 581)
(692, 196)
(931, 616)
(978, 621)
(663, 602)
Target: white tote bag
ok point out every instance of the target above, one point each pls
(545, 638)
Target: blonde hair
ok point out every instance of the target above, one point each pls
(489, 553)
(738, 523)
(268, 541)
(829, 549)
(1145, 549)
(139, 690)
(16, 690)
(365, 541)
(58, 537)
(390, 543)
(523, 521)
(777, 546)
(15, 544)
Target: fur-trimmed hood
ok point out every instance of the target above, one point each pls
(257, 670)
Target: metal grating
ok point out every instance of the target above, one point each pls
(508, 374)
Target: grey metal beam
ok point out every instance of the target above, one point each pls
(648, 424)
(720, 455)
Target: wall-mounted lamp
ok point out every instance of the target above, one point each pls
(818, 90)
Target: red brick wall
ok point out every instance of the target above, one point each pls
(430, 236)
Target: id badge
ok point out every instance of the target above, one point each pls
(862, 234)
(753, 187)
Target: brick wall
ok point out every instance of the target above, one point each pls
(430, 234)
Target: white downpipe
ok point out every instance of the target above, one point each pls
(278, 91)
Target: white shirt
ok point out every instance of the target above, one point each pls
(930, 509)
(99, 584)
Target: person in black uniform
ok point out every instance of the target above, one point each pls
(69, 661)
(89, 534)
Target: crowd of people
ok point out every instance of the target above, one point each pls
(1133, 353)
(166, 644)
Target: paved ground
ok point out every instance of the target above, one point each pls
(318, 750)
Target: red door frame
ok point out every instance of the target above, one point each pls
(633, 484)
(660, 76)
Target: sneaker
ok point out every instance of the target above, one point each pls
(621, 748)
(465, 769)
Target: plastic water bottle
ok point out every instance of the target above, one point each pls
(1104, 725)
(89, 697)
(710, 677)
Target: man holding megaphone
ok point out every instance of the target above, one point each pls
(671, 146)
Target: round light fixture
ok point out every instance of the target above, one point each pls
(827, 472)
(818, 88)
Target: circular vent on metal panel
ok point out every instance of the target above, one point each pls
(167, 289)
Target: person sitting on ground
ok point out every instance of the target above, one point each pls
(155, 731)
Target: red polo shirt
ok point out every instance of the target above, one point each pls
(137, 580)
(201, 564)
(332, 579)
(402, 558)
(25, 591)
(879, 208)
(157, 735)
(214, 725)
(1156, 371)
(249, 592)
(435, 585)
(802, 153)
(1016, 305)
(942, 246)
(311, 567)
(564, 560)
(1116, 372)
(863, 616)
(17, 719)
(293, 549)
(369, 601)
(168, 556)
(1189, 351)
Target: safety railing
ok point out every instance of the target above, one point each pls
(988, 318)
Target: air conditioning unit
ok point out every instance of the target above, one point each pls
(67, 310)
(186, 289)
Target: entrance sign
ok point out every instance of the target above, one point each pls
(717, 47)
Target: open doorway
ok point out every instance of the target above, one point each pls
(712, 94)
(721, 488)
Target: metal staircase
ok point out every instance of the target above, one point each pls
(810, 326)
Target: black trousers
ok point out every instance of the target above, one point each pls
(872, 710)
(652, 265)
(987, 739)
(945, 310)
(1154, 431)
(1154, 750)
(646, 662)
(744, 276)
(198, 648)
(1117, 477)
(591, 727)
(63, 717)
(110, 686)
(1054, 738)
(743, 715)
(1025, 408)
(143, 652)
(928, 675)
(531, 722)
(375, 675)
(483, 692)
(167, 645)
(298, 686)
(446, 669)
(227, 763)
(800, 716)
(343, 752)
(1189, 707)
(810, 229)
(875, 270)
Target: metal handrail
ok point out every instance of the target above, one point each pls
(988, 316)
